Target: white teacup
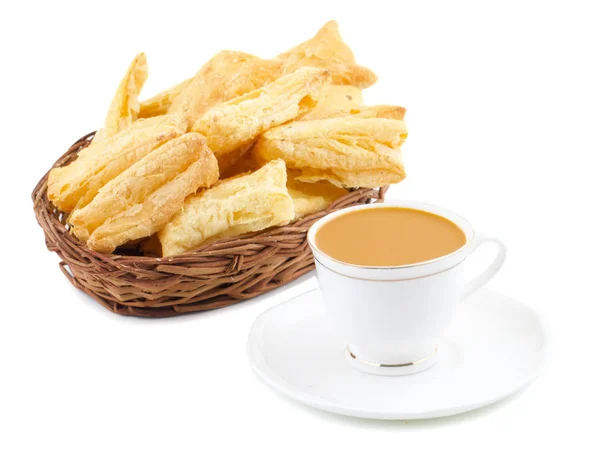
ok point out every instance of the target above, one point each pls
(393, 317)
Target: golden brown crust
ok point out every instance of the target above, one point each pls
(327, 50)
(78, 183)
(227, 75)
(141, 179)
(348, 152)
(238, 205)
(236, 124)
(144, 214)
(160, 103)
(125, 107)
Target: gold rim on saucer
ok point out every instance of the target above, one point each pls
(392, 365)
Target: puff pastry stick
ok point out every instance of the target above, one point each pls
(125, 107)
(159, 104)
(238, 122)
(142, 179)
(235, 206)
(146, 214)
(311, 197)
(327, 50)
(76, 184)
(227, 75)
(348, 152)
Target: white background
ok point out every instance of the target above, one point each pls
(503, 104)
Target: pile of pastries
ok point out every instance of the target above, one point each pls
(243, 145)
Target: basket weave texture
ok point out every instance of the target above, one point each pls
(214, 276)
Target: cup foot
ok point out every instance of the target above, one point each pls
(399, 369)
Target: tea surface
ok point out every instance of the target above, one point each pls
(388, 236)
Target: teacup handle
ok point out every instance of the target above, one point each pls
(491, 270)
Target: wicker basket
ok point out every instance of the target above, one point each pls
(214, 276)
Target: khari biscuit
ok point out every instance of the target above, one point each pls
(333, 101)
(76, 184)
(327, 50)
(348, 151)
(149, 181)
(150, 192)
(227, 75)
(160, 103)
(125, 107)
(134, 185)
(237, 123)
(235, 206)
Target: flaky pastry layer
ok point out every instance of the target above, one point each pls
(150, 193)
(160, 103)
(227, 75)
(236, 123)
(135, 184)
(125, 107)
(76, 184)
(235, 206)
(327, 50)
(348, 152)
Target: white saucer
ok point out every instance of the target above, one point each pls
(495, 347)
